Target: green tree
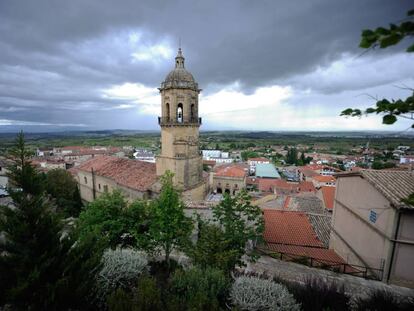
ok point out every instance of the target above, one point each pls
(42, 266)
(169, 227)
(248, 154)
(23, 176)
(32, 250)
(110, 216)
(292, 156)
(240, 221)
(213, 248)
(64, 189)
(383, 38)
(199, 289)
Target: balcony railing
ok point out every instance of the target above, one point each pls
(179, 121)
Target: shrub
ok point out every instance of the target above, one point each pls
(380, 300)
(120, 269)
(251, 293)
(318, 294)
(147, 296)
(198, 289)
(119, 300)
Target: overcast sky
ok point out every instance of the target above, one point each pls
(262, 65)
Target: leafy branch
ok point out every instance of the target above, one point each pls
(385, 37)
(390, 109)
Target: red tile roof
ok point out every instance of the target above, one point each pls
(209, 162)
(138, 175)
(322, 254)
(309, 173)
(322, 178)
(267, 185)
(289, 228)
(328, 194)
(231, 170)
(306, 186)
(286, 203)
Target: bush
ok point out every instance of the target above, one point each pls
(380, 300)
(148, 295)
(318, 294)
(120, 269)
(252, 293)
(119, 300)
(198, 289)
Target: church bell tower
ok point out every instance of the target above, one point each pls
(179, 122)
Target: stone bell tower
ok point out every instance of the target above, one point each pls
(180, 124)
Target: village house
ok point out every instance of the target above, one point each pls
(372, 226)
(135, 179)
(229, 178)
(323, 181)
(266, 170)
(327, 196)
(291, 234)
(252, 162)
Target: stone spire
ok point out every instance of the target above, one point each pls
(179, 59)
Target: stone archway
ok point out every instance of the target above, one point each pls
(219, 190)
(227, 191)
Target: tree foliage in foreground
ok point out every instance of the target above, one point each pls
(383, 38)
(170, 228)
(241, 222)
(41, 266)
(64, 189)
(121, 224)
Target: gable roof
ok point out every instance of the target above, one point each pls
(289, 228)
(231, 170)
(394, 185)
(324, 178)
(138, 175)
(328, 194)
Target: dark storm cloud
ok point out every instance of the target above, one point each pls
(56, 57)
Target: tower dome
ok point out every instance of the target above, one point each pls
(179, 77)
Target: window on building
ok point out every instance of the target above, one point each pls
(167, 108)
(99, 186)
(85, 179)
(373, 216)
(180, 113)
(192, 112)
(105, 188)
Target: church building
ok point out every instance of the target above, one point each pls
(180, 154)
(180, 123)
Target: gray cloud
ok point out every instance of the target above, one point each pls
(57, 57)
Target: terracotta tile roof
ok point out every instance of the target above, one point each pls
(394, 185)
(309, 173)
(268, 185)
(313, 167)
(322, 254)
(322, 178)
(306, 186)
(209, 162)
(328, 194)
(289, 228)
(286, 203)
(138, 175)
(231, 170)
